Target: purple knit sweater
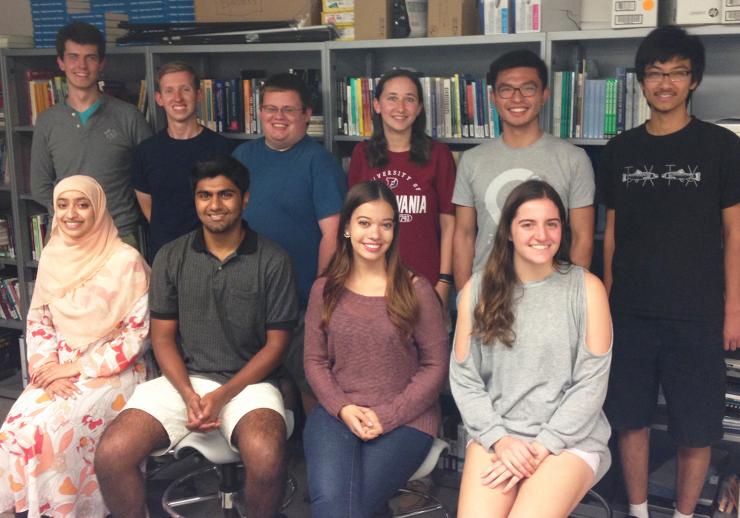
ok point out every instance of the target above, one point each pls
(362, 358)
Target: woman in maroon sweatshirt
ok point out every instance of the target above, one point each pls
(376, 356)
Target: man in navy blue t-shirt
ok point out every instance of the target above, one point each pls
(163, 162)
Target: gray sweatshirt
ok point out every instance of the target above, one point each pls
(548, 387)
(103, 148)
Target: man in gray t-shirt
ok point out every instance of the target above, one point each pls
(487, 173)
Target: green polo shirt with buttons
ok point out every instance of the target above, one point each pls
(102, 147)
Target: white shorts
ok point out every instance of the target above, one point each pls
(589, 457)
(163, 402)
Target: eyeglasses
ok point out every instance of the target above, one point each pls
(676, 76)
(507, 92)
(288, 111)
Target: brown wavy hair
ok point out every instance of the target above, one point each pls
(400, 296)
(493, 316)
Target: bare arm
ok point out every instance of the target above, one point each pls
(731, 232)
(145, 202)
(582, 235)
(328, 244)
(168, 356)
(463, 244)
(608, 250)
(447, 230)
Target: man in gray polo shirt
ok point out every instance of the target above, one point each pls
(230, 296)
(88, 132)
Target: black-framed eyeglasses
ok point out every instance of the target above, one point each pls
(507, 92)
(288, 111)
(676, 76)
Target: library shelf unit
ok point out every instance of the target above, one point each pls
(716, 98)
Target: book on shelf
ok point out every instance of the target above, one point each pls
(586, 106)
(7, 246)
(38, 225)
(456, 106)
(9, 299)
(231, 105)
(45, 89)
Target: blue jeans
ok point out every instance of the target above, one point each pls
(350, 478)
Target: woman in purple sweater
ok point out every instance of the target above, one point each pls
(376, 357)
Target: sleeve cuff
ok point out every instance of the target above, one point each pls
(550, 441)
(282, 326)
(491, 437)
(163, 316)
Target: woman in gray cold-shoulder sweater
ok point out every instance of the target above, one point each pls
(530, 367)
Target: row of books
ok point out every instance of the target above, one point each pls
(7, 243)
(231, 105)
(10, 300)
(458, 106)
(585, 107)
(38, 225)
(45, 89)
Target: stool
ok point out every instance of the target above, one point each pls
(215, 448)
(601, 501)
(432, 503)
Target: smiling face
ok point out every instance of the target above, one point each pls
(520, 111)
(81, 64)
(219, 204)
(284, 119)
(536, 232)
(664, 95)
(371, 231)
(399, 105)
(74, 214)
(178, 96)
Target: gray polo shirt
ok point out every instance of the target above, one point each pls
(102, 148)
(223, 308)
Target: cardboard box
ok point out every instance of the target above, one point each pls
(628, 14)
(372, 19)
(338, 17)
(731, 14)
(307, 11)
(690, 12)
(546, 15)
(418, 11)
(497, 17)
(334, 6)
(452, 17)
(596, 14)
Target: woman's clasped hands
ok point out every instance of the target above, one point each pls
(512, 461)
(362, 421)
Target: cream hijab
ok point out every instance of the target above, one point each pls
(90, 282)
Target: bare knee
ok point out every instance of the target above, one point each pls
(128, 440)
(260, 437)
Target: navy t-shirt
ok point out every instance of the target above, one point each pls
(668, 193)
(290, 192)
(161, 169)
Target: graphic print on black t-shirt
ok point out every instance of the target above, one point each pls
(673, 173)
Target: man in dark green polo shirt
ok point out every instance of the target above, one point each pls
(229, 294)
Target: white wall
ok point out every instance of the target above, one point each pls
(15, 17)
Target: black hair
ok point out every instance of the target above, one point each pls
(221, 165)
(286, 82)
(666, 43)
(83, 34)
(421, 143)
(515, 59)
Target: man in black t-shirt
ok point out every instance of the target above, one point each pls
(162, 163)
(672, 267)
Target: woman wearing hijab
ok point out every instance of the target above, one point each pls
(86, 331)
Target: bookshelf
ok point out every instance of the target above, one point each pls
(127, 65)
